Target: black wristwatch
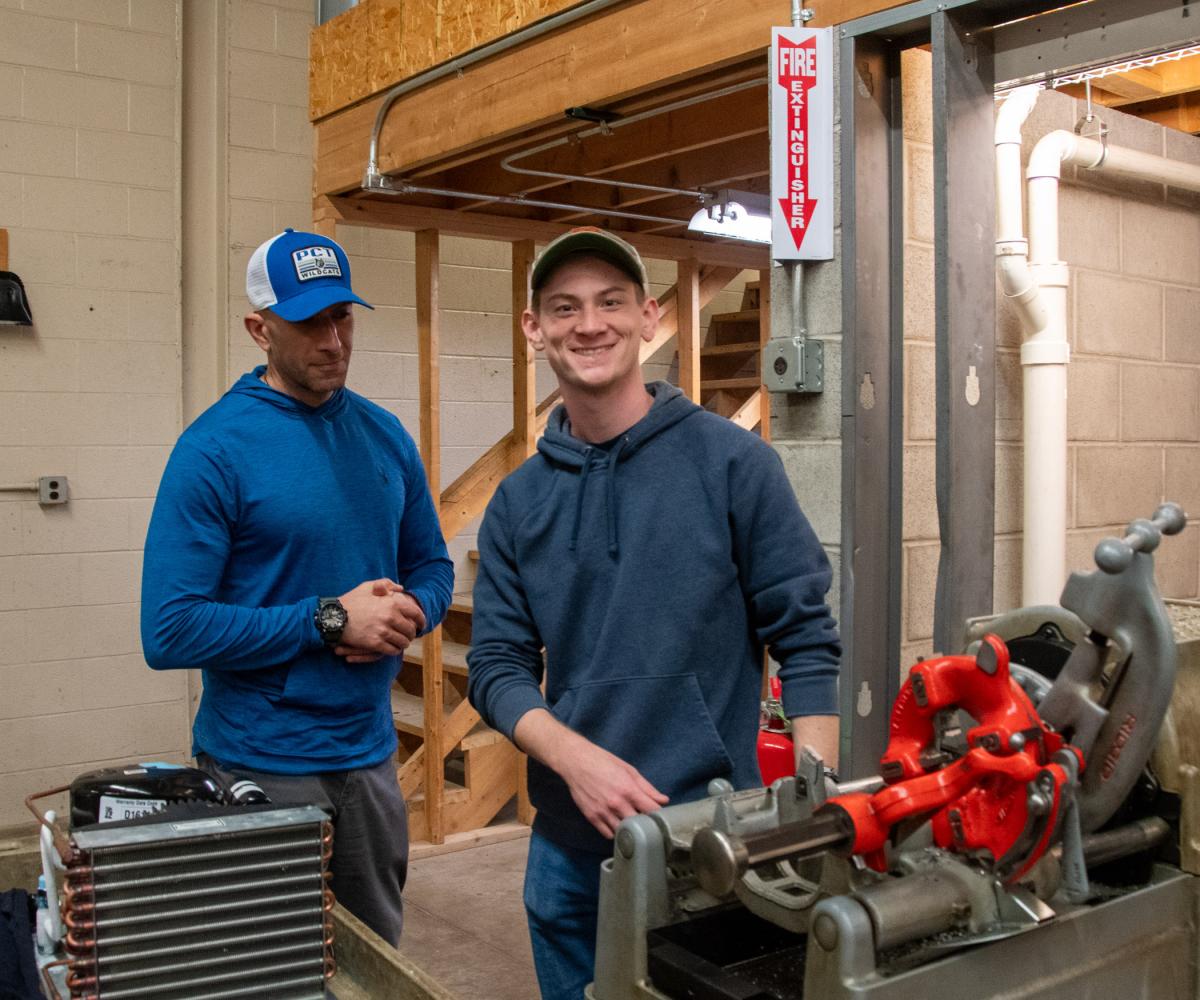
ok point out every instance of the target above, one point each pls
(330, 619)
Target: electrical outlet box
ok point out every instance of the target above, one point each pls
(53, 489)
(794, 364)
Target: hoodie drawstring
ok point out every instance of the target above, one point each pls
(611, 512)
(583, 474)
(610, 495)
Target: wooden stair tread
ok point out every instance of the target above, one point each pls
(408, 716)
(741, 316)
(464, 602)
(452, 793)
(742, 347)
(454, 655)
(750, 382)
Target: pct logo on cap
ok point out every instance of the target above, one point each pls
(316, 262)
(298, 274)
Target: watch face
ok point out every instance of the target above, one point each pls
(331, 617)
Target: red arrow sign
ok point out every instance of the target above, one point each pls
(797, 74)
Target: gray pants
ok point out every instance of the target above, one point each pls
(370, 841)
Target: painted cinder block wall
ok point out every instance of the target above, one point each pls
(89, 153)
(94, 105)
(1133, 250)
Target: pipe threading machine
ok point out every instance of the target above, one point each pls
(1015, 843)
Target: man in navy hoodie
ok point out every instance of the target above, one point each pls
(293, 554)
(653, 550)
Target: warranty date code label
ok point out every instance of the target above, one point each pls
(114, 809)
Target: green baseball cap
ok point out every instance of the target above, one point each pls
(594, 242)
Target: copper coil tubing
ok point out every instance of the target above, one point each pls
(66, 850)
(77, 980)
(51, 989)
(80, 898)
(77, 947)
(326, 842)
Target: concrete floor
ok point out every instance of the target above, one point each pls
(464, 922)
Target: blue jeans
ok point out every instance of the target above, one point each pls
(562, 897)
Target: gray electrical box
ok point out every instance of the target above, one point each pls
(53, 489)
(793, 364)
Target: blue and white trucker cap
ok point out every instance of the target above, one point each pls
(296, 275)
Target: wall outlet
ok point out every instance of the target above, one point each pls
(53, 489)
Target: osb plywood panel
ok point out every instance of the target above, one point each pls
(381, 42)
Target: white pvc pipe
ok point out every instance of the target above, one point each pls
(49, 927)
(1036, 281)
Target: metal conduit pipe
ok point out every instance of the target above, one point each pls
(508, 162)
(467, 59)
(385, 185)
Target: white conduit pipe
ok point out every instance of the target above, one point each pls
(1036, 282)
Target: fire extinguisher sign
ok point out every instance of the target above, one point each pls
(802, 143)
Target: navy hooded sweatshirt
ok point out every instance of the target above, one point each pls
(652, 570)
(266, 505)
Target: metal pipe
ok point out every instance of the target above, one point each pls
(719, 859)
(457, 65)
(913, 907)
(1142, 835)
(700, 193)
(386, 186)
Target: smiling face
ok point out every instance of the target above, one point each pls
(308, 360)
(588, 319)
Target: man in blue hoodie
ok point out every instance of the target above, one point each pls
(293, 554)
(652, 549)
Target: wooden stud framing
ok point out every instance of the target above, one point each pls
(524, 359)
(525, 431)
(397, 214)
(687, 290)
(427, 260)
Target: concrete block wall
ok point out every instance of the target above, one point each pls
(89, 151)
(1133, 251)
(91, 185)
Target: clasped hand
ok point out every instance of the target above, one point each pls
(382, 621)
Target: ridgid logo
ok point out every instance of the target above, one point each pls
(316, 262)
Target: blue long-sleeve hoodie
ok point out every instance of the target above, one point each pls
(266, 505)
(653, 573)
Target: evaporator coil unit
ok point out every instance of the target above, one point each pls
(233, 904)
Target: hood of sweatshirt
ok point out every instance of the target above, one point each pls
(563, 449)
(252, 384)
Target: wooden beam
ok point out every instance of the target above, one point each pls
(839, 11)
(749, 414)
(524, 377)
(1133, 85)
(464, 841)
(397, 214)
(1134, 88)
(1182, 112)
(427, 258)
(712, 280)
(427, 354)
(593, 62)
(3, 249)
(687, 292)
